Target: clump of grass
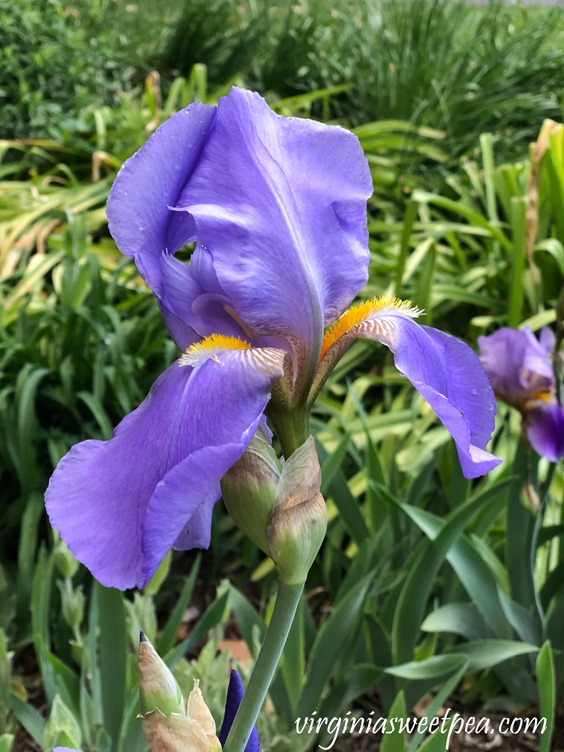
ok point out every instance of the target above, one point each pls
(452, 65)
(222, 34)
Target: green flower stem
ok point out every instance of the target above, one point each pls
(292, 429)
(282, 617)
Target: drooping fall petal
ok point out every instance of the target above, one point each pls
(445, 371)
(121, 504)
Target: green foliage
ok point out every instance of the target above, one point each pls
(81, 349)
(57, 59)
(426, 580)
(91, 681)
(217, 34)
(5, 682)
(491, 242)
(456, 66)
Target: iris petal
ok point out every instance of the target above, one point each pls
(193, 294)
(448, 374)
(235, 694)
(545, 430)
(121, 504)
(517, 363)
(281, 205)
(151, 181)
(279, 202)
(445, 371)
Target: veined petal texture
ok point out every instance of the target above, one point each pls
(445, 371)
(121, 504)
(279, 204)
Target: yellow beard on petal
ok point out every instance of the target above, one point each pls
(212, 347)
(359, 313)
(530, 402)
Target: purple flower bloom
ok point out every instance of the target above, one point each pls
(277, 207)
(521, 374)
(235, 694)
(122, 504)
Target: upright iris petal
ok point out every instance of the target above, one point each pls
(521, 372)
(279, 205)
(445, 371)
(121, 504)
(149, 183)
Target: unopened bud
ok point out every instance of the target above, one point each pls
(72, 604)
(168, 725)
(298, 522)
(64, 560)
(62, 726)
(158, 687)
(249, 490)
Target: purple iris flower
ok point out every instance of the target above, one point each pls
(235, 693)
(521, 373)
(277, 209)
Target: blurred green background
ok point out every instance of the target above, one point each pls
(430, 590)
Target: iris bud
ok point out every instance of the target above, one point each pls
(62, 727)
(280, 508)
(249, 490)
(168, 725)
(157, 686)
(72, 604)
(64, 560)
(298, 522)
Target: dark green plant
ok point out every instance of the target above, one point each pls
(56, 59)
(224, 35)
(453, 65)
